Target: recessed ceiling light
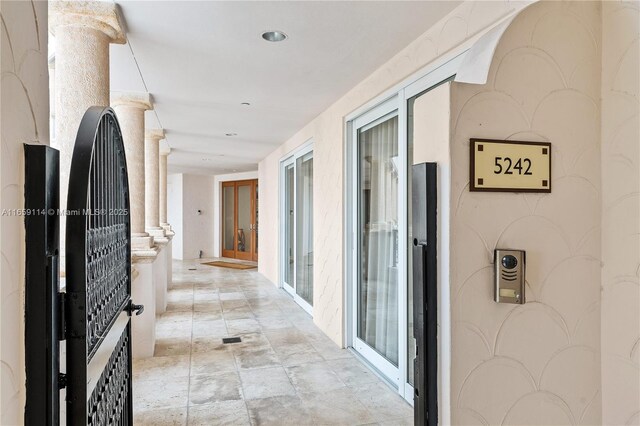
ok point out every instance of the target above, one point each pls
(274, 36)
(245, 103)
(231, 134)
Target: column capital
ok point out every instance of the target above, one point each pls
(95, 15)
(131, 99)
(154, 134)
(165, 150)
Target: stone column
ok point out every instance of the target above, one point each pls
(152, 180)
(152, 213)
(147, 265)
(130, 108)
(164, 153)
(83, 31)
(164, 223)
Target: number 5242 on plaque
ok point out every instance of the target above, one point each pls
(510, 166)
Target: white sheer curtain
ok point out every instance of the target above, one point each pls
(304, 231)
(378, 152)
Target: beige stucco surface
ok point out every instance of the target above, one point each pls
(620, 213)
(537, 363)
(567, 73)
(24, 118)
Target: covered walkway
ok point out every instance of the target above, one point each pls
(285, 370)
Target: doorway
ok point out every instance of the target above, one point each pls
(296, 195)
(384, 141)
(379, 220)
(240, 219)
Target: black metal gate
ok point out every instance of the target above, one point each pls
(96, 306)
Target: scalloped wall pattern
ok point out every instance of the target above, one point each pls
(545, 84)
(540, 363)
(24, 119)
(620, 205)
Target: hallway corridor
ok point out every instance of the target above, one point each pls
(285, 370)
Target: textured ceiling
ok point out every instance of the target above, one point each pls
(201, 60)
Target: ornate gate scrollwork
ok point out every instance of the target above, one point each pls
(98, 275)
(93, 315)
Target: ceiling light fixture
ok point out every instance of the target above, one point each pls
(245, 103)
(231, 134)
(274, 36)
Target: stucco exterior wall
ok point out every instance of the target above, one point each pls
(465, 24)
(620, 213)
(24, 118)
(537, 363)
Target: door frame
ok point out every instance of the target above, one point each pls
(381, 113)
(252, 254)
(290, 160)
(399, 95)
(284, 256)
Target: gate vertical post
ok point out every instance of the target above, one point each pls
(42, 310)
(425, 282)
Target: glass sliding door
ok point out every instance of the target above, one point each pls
(297, 227)
(383, 142)
(378, 232)
(288, 225)
(304, 228)
(378, 173)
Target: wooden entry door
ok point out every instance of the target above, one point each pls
(240, 219)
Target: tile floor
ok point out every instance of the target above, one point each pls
(284, 372)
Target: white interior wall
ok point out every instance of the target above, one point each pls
(24, 118)
(197, 227)
(217, 205)
(174, 212)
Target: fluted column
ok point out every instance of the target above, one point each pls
(152, 182)
(83, 32)
(130, 108)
